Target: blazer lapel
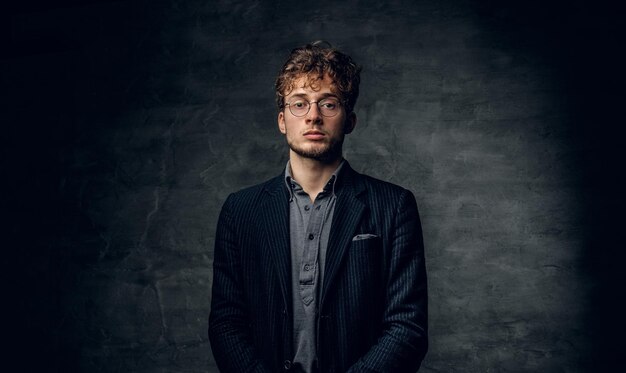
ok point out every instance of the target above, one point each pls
(346, 218)
(275, 216)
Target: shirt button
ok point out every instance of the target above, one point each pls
(287, 365)
(311, 236)
(306, 208)
(307, 267)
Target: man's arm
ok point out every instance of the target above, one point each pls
(228, 323)
(404, 339)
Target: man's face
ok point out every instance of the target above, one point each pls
(313, 135)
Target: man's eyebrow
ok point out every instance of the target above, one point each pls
(304, 95)
(297, 95)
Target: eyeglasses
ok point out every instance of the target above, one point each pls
(329, 107)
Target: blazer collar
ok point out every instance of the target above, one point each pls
(349, 209)
(275, 220)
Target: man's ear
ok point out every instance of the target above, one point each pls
(281, 122)
(350, 123)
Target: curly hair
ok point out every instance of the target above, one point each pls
(314, 60)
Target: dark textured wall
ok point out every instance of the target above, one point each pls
(128, 123)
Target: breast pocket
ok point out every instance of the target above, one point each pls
(365, 259)
(364, 269)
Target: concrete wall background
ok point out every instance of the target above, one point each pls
(128, 124)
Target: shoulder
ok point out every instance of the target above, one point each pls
(383, 196)
(379, 188)
(249, 196)
(379, 185)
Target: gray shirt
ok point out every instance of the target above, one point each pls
(309, 227)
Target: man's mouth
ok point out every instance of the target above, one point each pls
(314, 135)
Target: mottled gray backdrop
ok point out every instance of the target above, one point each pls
(126, 125)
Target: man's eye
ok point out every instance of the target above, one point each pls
(298, 104)
(329, 104)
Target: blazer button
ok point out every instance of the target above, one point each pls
(287, 365)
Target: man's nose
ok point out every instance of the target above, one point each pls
(314, 114)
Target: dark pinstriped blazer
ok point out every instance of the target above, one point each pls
(373, 301)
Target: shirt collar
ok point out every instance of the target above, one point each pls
(292, 184)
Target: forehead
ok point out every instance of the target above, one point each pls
(306, 84)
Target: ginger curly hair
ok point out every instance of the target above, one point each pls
(314, 60)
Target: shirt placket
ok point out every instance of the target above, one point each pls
(309, 272)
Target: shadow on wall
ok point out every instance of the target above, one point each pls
(127, 132)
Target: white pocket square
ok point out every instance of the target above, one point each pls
(363, 236)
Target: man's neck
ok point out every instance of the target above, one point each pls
(312, 174)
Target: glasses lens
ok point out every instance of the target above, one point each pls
(299, 107)
(329, 107)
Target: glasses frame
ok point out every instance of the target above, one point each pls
(318, 107)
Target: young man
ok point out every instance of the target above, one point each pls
(320, 269)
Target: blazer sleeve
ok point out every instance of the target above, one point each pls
(228, 322)
(403, 342)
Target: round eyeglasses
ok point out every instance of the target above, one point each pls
(329, 107)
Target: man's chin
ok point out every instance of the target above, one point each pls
(324, 154)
